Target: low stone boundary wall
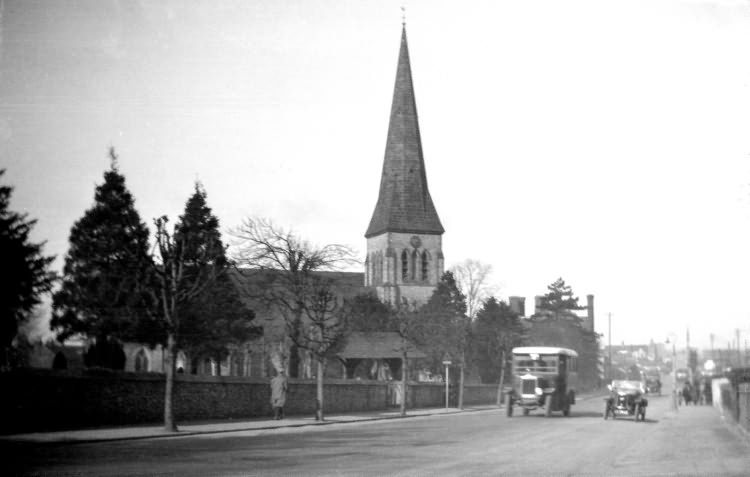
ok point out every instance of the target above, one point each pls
(39, 400)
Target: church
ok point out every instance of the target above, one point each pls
(404, 261)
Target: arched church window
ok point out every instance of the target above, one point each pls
(404, 265)
(60, 361)
(141, 361)
(414, 267)
(182, 361)
(425, 266)
(209, 367)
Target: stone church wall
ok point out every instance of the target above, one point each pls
(37, 400)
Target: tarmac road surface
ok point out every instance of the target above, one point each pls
(692, 441)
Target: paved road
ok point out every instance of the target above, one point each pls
(693, 441)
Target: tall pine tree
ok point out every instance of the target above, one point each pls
(25, 270)
(105, 269)
(216, 319)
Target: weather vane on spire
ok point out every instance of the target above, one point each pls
(403, 15)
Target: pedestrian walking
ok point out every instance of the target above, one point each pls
(278, 394)
(687, 393)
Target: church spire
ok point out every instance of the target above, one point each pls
(404, 202)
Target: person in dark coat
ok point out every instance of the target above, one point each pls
(687, 393)
(278, 394)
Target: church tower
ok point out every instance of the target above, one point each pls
(404, 239)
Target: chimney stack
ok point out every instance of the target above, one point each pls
(518, 305)
(588, 322)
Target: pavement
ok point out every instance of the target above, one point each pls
(121, 433)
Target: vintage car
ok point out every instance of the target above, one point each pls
(626, 398)
(544, 377)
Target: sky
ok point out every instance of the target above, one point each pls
(603, 142)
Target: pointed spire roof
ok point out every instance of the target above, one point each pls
(404, 203)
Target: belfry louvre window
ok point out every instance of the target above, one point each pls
(425, 266)
(404, 265)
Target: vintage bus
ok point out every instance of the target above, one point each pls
(544, 377)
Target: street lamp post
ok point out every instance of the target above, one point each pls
(674, 371)
(609, 334)
(446, 363)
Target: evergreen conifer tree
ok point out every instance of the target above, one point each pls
(444, 328)
(26, 274)
(105, 269)
(497, 330)
(216, 318)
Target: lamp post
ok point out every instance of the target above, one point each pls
(446, 363)
(609, 333)
(674, 371)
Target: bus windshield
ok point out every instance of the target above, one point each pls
(535, 363)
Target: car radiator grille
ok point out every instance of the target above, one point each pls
(528, 386)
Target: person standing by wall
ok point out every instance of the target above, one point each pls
(278, 394)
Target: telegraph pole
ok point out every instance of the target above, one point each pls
(609, 332)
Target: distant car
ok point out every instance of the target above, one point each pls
(653, 381)
(626, 399)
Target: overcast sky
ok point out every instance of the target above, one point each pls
(604, 142)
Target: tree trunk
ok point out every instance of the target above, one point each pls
(169, 423)
(319, 398)
(502, 380)
(403, 385)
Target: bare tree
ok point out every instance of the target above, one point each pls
(290, 290)
(179, 279)
(473, 278)
(325, 333)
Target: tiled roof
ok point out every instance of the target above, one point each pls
(404, 202)
(377, 345)
(254, 283)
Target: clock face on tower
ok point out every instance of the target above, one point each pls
(415, 241)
